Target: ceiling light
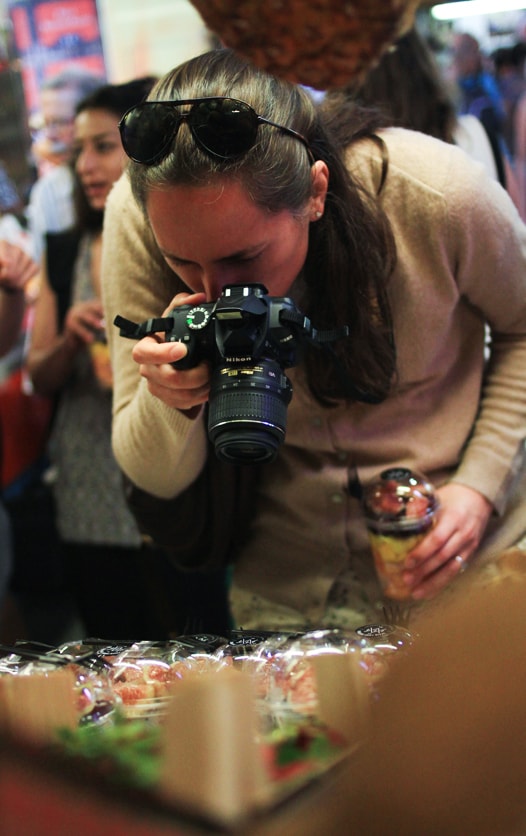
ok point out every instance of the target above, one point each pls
(466, 8)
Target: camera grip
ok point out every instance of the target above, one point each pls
(190, 359)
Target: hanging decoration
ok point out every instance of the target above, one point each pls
(321, 43)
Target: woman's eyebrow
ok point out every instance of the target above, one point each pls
(235, 256)
(78, 140)
(174, 257)
(241, 254)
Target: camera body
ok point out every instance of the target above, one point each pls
(249, 338)
(248, 343)
(243, 325)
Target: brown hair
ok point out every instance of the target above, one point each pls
(115, 99)
(407, 89)
(351, 248)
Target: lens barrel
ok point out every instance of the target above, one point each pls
(247, 414)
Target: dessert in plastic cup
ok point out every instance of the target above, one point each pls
(400, 507)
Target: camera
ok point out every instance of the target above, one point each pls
(249, 338)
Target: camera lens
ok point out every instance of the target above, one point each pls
(247, 414)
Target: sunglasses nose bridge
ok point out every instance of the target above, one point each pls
(178, 119)
(188, 117)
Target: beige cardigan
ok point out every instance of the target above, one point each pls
(461, 264)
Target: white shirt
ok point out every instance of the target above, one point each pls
(471, 136)
(11, 230)
(50, 206)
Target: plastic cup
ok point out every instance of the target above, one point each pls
(400, 508)
(100, 357)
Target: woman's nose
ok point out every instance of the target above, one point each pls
(214, 281)
(85, 161)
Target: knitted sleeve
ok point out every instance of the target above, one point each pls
(158, 448)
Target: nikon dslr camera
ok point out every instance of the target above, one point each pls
(249, 338)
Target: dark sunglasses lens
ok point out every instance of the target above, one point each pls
(148, 130)
(224, 127)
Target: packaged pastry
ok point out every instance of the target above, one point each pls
(378, 644)
(93, 696)
(284, 674)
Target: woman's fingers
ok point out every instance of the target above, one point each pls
(176, 388)
(462, 520)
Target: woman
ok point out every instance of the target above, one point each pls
(397, 236)
(95, 527)
(102, 548)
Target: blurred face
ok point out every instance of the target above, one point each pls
(215, 235)
(99, 156)
(466, 56)
(58, 116)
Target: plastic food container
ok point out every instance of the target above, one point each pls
(400, 507)
(378, 643)
(94, 697)
(284, 676)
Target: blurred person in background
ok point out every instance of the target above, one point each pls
(409, 90)
(520, 28)
(102, 549)
(38, 593)
(35, 589)
(93, 523)
(508, 64)
(509, 67)
(478, 93)
(17, 270)
(13, 219)
(50, 202)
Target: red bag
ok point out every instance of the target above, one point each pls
(25, 421)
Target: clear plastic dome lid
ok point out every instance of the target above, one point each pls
(400, 498)
(384, 636)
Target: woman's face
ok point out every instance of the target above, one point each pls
(99, 156)
(215, 235)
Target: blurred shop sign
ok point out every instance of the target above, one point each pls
(50, 35)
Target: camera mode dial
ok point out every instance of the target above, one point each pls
(197, 318)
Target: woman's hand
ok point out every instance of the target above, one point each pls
(16, 267)
(184, 390)
(83, 321)
(461, 522)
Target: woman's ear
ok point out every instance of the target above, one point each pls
(320, 184)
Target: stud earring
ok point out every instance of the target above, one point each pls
(319, 214)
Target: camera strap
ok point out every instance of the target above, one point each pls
(136, 331)
(303, 322)
(323, 340)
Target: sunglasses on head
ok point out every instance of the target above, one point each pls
(221, 126)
